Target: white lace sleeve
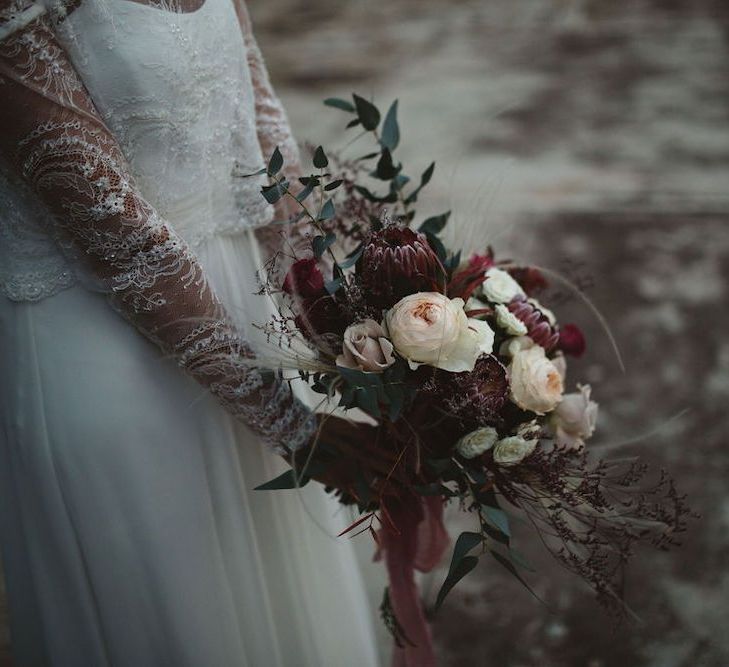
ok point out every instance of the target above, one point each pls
(54, 137)
(273, 129)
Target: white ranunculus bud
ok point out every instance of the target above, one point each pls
(535, 382)
(512, 450)
(365, 348)
(509, 322)
(477, 442)
(513, 345)
(500, 287)
(574, 419)
(429, 328)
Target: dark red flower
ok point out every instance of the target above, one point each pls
(464, 282)
(304, 279)
(572, 340)
(539, 328)
(319, 316)
(476, 397)
(398, 261)
(532, 280)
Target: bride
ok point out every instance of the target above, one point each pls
(128, 449)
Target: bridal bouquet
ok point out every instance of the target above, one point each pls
(463, 369)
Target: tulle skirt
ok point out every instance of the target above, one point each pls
(131, 533)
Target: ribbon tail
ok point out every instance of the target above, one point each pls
(415, 539)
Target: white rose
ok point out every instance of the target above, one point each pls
(477, 442)
(365, 348)
(535, 382)
(512, 450)
(429, 328)
(574, 419)
(509, 322)
(500, 287)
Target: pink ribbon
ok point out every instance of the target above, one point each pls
(412, 537)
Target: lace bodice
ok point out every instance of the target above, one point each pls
(123, 126)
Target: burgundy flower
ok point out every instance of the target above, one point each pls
(398, 261)
(532, 280)
(320, 315)
(476, 397)
(465, 281)
(304, 279)
(572, 340)
(539, 328)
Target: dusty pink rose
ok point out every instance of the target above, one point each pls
(366, 348)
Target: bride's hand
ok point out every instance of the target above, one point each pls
(345, 454)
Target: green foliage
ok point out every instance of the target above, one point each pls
(368, 113)
(272, 193)
(275, 163)
(320, 243)
(435, 224)
(320, 159)
(390, 130)
(339, 103)
(461, 563)
(327, 211)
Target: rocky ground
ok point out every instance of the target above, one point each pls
(590, 137)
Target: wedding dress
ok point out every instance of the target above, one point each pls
(131, 534)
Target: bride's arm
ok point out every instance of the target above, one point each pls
(273, 129)
(55, 138)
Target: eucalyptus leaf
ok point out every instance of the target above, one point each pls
(332, 286)
(498, 519)
(333, 185)
(352, 123)
(308, 189)
(320, 159)
(327, 211)
(390, 130)
(368, 113)
(339, 103)
(272, 193)
(264, 170)
(320, 243)
(435, 224)
(461, 563)
(352, 258)
(386, 169)
(275, 163)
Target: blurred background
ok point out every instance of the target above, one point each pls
(591, 137)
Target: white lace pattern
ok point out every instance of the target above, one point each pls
(80, 201)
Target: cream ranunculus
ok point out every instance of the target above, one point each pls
(477, 442)
(574, 419)
(512, 450)
(500, 287)
(509, 322)
(534, 380)
(429, 328)
(366, 348)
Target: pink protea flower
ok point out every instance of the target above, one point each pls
(398, 261)
(539, 328)
(572, 340)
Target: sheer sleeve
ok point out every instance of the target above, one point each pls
(273, 129)
(56, 140)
